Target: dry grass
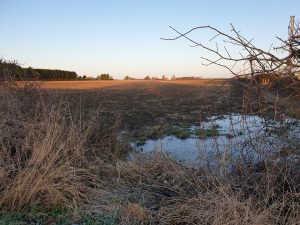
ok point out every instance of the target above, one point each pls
(187, 196)
(53, 157)
(46, 169)
(133, 214)
(47, 156)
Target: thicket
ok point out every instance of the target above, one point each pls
(18, 73)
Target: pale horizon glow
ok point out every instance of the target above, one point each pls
(122, 38)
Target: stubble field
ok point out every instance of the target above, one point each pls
(144, 107)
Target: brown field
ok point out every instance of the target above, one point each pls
(98, 84)
(146, 106)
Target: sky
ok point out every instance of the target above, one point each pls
(122, 37)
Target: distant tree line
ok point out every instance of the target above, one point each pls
(46, 74)
(12, 70)
(164, 77)
(16, 72)
(188, 78)
(104, 76)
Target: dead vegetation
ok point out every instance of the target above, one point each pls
(55, 155)
(47, 154)
(169, 193)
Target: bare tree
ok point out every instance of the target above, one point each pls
(249, 61)
(262, 60)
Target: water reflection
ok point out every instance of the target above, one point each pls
(237, 136)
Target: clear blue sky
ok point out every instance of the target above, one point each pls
(122, 37)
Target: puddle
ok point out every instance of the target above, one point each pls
(229, 136)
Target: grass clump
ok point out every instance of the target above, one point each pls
(48, 152)
(48, 167)
(179, 132)
(207, 133)
(170, 193)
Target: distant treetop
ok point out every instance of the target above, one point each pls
(104, 76)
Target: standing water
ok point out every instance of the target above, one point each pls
(231, 136)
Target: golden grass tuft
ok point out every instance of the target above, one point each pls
(132, 213)
(48, 168)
